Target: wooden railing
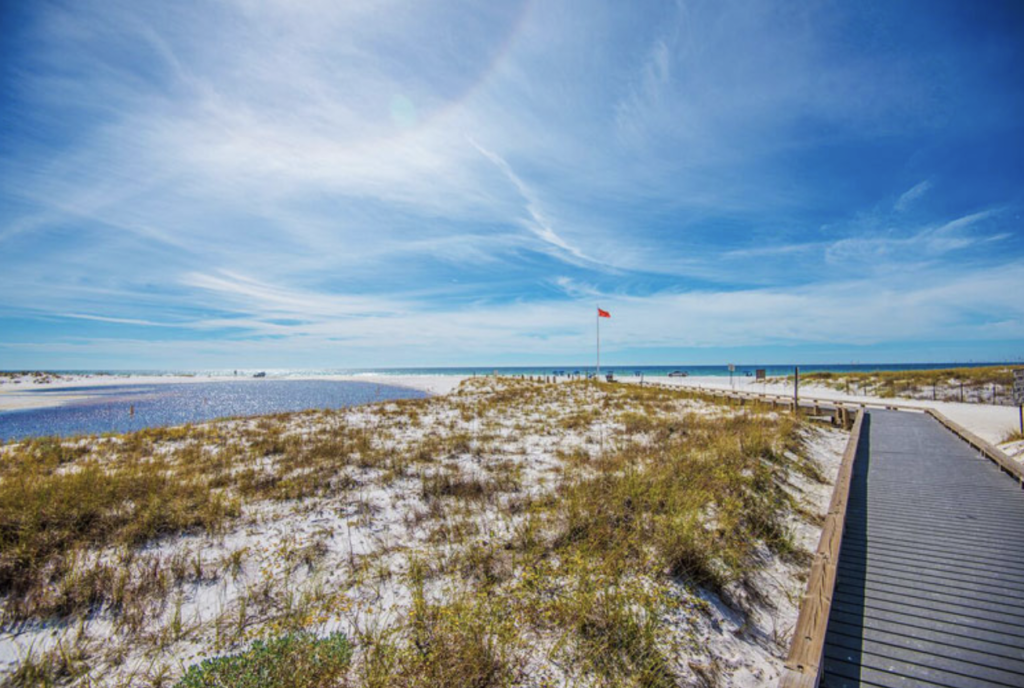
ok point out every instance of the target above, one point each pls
(806, 401)
(988, 450)
(843, 412)
(803, 664)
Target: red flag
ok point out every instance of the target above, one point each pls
(603, 314)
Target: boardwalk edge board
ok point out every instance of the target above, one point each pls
(802, 668)
(990, 451)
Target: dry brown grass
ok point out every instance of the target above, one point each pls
(658, 491)
(991, 384)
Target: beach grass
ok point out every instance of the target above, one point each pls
(647, 496)
(992, 384)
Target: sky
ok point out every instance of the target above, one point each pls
(317, 184)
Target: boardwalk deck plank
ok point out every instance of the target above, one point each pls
(900, 570)
(930, 587)
(942, 634)
(926, 559)
(973, 626)
(936, 655)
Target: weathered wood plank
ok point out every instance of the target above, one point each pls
(803, 664)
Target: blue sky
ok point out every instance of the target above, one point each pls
(360, 184)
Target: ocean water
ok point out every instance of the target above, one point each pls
(111, 410)
(773, 370)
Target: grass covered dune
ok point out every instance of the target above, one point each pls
(511, 533)
(981, 384)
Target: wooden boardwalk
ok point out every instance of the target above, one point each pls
(930, 576)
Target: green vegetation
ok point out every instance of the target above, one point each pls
(597, 564)
(55, 502)
(983, 375)
(543, 525)
(470, 641)
(38, 377)
(989, 384)
(296, 660)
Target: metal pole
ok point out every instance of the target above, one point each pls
(796, 388)
(599, 342)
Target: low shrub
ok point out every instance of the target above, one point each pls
(296, 660)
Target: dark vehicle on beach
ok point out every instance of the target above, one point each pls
(677, 373)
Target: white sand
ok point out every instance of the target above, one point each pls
(991, 423)
(383, 520)
(431, 384)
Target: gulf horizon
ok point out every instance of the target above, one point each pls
(772, 369)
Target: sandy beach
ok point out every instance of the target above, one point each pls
(347, 533)
(455, 511)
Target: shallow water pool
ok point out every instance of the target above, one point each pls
(110, 409)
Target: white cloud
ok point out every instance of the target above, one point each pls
(923, 244)
(913, 306)
(911, 195)
(538, 223)
(246, 176)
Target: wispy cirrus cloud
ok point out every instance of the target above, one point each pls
(393, 181)
(908, 197)
(538, 222)
(926, 243)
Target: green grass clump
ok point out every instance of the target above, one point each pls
(470, 642)
(50, 510)
(296, 660)
(700, 498)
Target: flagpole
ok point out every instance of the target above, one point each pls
(598, 342)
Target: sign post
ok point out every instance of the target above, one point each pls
(1018, 395)
(796, 389)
